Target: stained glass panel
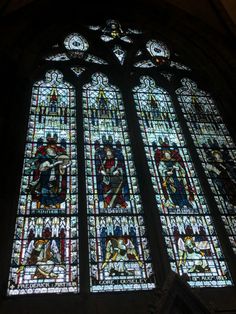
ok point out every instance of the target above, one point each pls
(179, 66)
(144, 64)
(119, 254)
(157, 49)
(78, 70)
(188, 230)
(94, 59)
(113, 30)
(215, 147)
(45, 249)
(57, 57)
(75, 41)
(119, 53)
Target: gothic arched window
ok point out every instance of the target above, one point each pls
(82, 181)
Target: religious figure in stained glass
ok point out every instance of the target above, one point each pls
(120, 248)
(45, 250)
(111, 174)
(192, 251)
(113, 30)
(188, 230)
(119, 254)
(45, 254)
(215, 147)
(175, 182)
(222, 170)
(49, 185)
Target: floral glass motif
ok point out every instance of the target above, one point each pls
(45, 249)
(191, 240)
(215, 148)
(119, 254)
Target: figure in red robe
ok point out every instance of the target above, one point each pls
(174, 179)
(49, 185)
(111, 175)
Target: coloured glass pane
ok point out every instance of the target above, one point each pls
(188, 230)
(119, 254)
(45, 248)
(215, 148)
(75, 41)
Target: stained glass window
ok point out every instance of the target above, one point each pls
(119, 254)
(45, 249)
(215, 148)
(188, 230)
(45, 256)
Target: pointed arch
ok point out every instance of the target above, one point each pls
(190, 236)
(119, 254)
(45, 250)
(215, 147)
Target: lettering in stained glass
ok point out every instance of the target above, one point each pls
(188, 230)
(215, 148)
(119, 254)
(45, 249)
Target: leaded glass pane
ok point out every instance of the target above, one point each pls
(179, 66)
(188, 230)
(78, 70)
(144, 64)
(57, 57)
(45, 249)
(94, 59)
(75, 41)
(157, 49)
(215, 148)
(119, 254)
(113, 30)
(119, 53)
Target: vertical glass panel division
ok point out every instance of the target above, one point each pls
(119, 254)
(45, 249)
(190, 237)
(215, 148)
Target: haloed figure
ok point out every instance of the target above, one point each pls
(192, 253)
(119, 251)
(49, 184)
(223, 174)
(174, 178)
(112, 181)
(44, 255)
